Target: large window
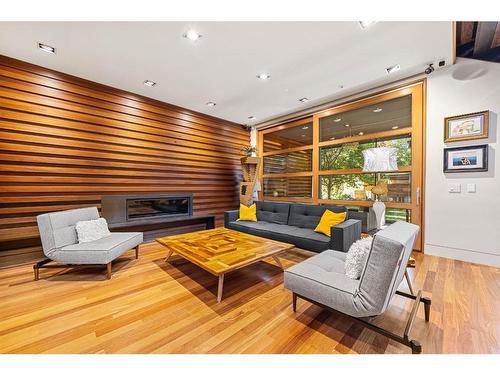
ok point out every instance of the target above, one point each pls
(289, 187)
(288, 161)
(359, 186)
(350, 154)
(289, 137)
(371, 119)
(299, 161)
(320, 159)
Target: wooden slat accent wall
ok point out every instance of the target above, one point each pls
(65, 141)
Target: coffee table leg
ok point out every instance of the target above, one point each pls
(169, 255)
(277, 260)
(219, 290)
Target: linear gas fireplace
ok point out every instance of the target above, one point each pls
(144, 208)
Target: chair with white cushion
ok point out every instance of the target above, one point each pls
(60, 241)
(321, 280)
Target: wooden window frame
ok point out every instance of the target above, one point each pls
(416, 132)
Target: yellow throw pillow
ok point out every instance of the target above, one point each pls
(328, 220)
(248, 213)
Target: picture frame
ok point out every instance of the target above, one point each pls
(466, 127)
(466, 159)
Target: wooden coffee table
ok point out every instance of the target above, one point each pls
(222, 250)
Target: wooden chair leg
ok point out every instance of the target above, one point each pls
(294, 302)
(137, 252)
(427, 307)
(108, 267)
(38, 265)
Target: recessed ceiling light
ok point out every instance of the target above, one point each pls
(303, 100)
(149, 83)
(377, 110)
(192, 35)
(361, 133)
(347, 125)
(46, 48)
(305, 127)
(332, 138)
(263, 76)
(366, 24)
(211, 104)
(392, 69)
(251, 117)
(302, 135)
(395, 127)
(338, 119)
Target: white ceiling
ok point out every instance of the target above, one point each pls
(304, 59)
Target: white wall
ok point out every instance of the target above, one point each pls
(463, 226)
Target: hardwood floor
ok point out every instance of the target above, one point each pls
(150, 306)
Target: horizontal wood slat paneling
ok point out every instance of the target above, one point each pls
(65, 141)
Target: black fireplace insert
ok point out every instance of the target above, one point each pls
(146, 208)
(153, 208)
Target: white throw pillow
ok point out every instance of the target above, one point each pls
(92, 230)
(356, 257)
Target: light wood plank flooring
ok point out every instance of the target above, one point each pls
(150, 306)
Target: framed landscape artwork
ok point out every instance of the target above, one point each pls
(466, 127)
(466, 159)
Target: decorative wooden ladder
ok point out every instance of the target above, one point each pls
(250, 167)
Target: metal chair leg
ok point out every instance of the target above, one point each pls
(413, 314)
(414, 345)
(408, 281)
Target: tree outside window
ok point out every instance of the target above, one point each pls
(350, 156)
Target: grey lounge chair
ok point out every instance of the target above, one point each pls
(322, 281)
(60, 243)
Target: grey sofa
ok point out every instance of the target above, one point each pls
(60, 243)
(295, 222)
(321, 280)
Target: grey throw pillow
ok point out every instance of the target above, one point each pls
(356, 257)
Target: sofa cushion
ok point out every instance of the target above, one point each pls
(101, 251)
(273, 212)
(328, 220)
(327, 261)
(322, 279)
(308, 216)
(301, 237)
(247, 213)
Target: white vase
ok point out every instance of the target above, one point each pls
(379, 210)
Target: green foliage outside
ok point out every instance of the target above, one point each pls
(350, 156)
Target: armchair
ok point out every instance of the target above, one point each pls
(60, 243)
(321, 280)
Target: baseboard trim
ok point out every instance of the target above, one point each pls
(464, 255)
